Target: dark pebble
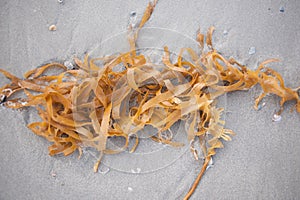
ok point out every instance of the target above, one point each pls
(281, 9)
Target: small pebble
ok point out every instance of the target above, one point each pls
(133, 14)
(60, 1)
(281, 9)
(252, 50)
(53, 174)
(130, 189)
(69, 65)
(276, 118)
(225, 32)
(52, 28)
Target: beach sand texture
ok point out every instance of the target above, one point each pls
(261, 162)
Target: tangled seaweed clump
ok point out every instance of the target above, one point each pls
(86, 106)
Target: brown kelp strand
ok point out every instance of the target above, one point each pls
(86, 106)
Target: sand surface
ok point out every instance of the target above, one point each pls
(261, 162)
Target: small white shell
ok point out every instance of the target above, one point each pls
(52, 28)
(276, 118)
(252, 51)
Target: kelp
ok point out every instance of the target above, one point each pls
(88, 105)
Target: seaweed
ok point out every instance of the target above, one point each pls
(87, 106)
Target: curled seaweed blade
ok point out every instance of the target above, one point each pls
(93, 104)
